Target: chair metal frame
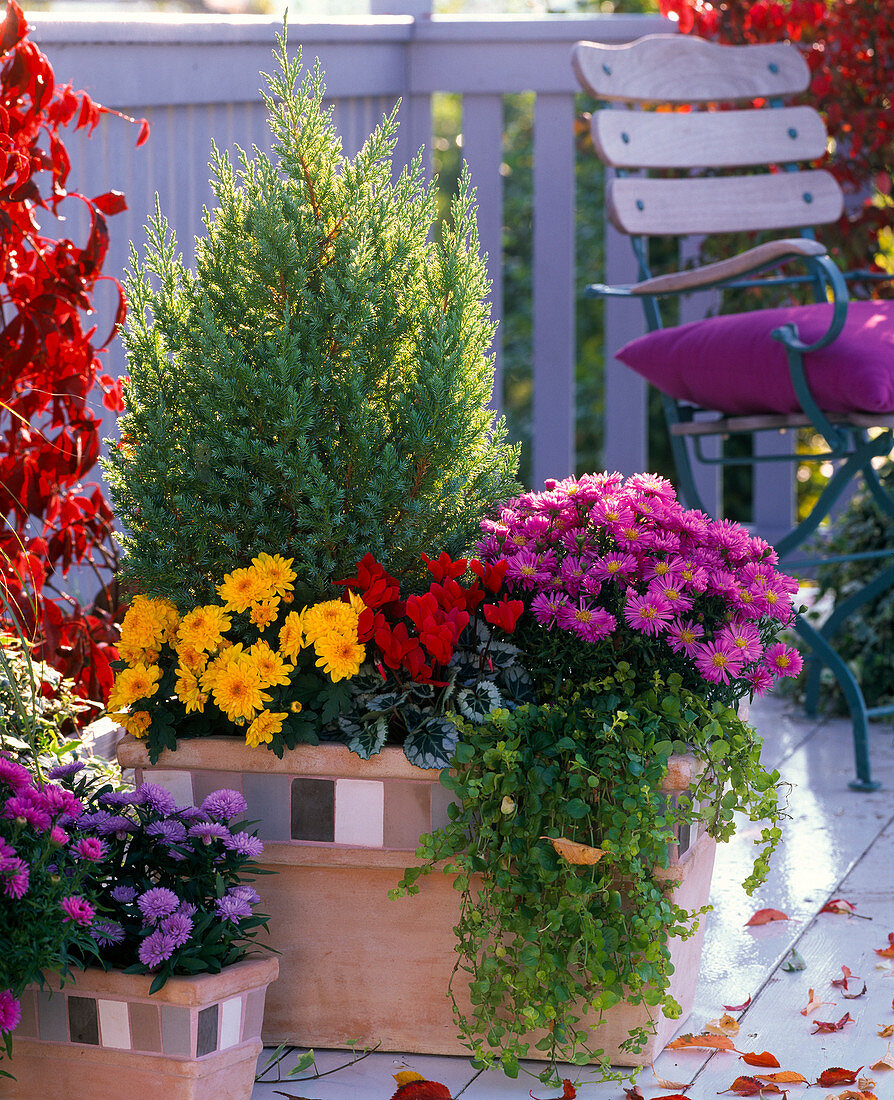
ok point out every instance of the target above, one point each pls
(609, 72)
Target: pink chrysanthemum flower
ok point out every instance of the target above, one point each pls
(653, 485)
(586, 621)
(25, 810)
(717, 661)
(78, 910)
(782, 660)
(90, 848)
(743, 637)
(759, 550)
(683, 636)
(611, 510)
(10, 1011)
(761, 680)
(648, 614)
(15, 874)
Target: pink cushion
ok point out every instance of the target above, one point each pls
(733, 365)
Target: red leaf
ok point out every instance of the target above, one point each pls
(750, 1086)
(842, 982)
(633, 1094)
(569, 1092)
(837, 1076)
(110, 202)
(143, 135)
(827, 1027)
(765, 916)
(764, 1060)
(838, 905)
(738, 1008)
(887, 952)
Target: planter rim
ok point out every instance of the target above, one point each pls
(188, 990)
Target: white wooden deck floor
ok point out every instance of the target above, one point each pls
(837, 843)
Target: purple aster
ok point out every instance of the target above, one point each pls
(116, 799)
(586, 621)
(13, 774)
(683, 635)
(170, 830)
(232, 908)
(124, 894)
(245, 844)
(611, 510)
(24, 809)
(528, 569)
(10, 1011)
(546, 607)
(671, 589)
(745, 638)
(761, 680)
(57, 800)
(649, 614)
(14, 874)
(63, 771)
(94, 822)
(107, 932)
(718, 661)
(178, 926)
(223, 805)
(114, 823)
(191, 814)
(782, 660)
(618, 566)
(156, 798)
(186, 909)
(572, 571)
(206, 831)
(155, 949)
(157, 903)
(77, 909)
(247, 893)
(90, 848)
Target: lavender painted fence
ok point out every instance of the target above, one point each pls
(196, 78)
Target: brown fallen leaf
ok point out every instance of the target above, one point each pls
(827, 1027)
(739, 1008)
(664, 1084)
(582, 855)
(865, 1084)
(569, 1092)
(765, 916)
(765, 1060)
(887, 952)
(884, 1063)
(854, 996)
(786, 1077)
(838, 1076)
(846, 975)
(726, 1025)
(750, 1086)
(690, 1042)
(886, 1032)
(633, 1094)
(813, 1003)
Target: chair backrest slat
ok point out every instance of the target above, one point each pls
(724, 204)
(670, 68)
(708, 139)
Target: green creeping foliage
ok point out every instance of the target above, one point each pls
(543, 941)
(319, 387)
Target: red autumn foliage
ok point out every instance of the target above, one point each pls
(49, 371)
(839, 905)
(422, 1090)
(739, 1008)
(765, 916)
(828, 1027)
(837, 1076)
(569, 1092)
(849, 47)
(887, 952)
(750, 1086)
(766, 1060)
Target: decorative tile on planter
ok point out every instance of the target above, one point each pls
(83, 1023)
(179, 783)
(176, 1031)
(203, 783)
(206, 1033)
(268, 804)
(440, 800)
(145, 1029)
(27, 1028)
(114, 1025)
(407, 813)
(359, 812)
(52, 1017)
(230, 1022)
(254, 1013)
(313, 810)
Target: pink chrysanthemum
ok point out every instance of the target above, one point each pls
(717, 661)
(649, 614)
(10, 1011)
(78, 910)
(611, 510)
(15, 874)
(90, 848)
(614, 566)
(782, 660)
(672, 591)
(528, 569)
(760, 679)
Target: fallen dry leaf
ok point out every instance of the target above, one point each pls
(854, 996)
(726, 1025)
(787, 1077)
(827, 1027)
(738, 1008)
(766, 1060)
(672, 1096)
(839, 905)
(886, 1032)
(865, 1083)
(569, 1092)
(838, 1076)
(887, 952)
(813, 1003)
(582, 855)
(764, 916)
(846, 975)
(750, 1086)
(664, 1084)
(634, 1093)
(884, 1063)
(715, 1042)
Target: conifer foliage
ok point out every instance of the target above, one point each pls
(319, 387)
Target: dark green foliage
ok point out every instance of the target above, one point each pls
(320, 387)
(544, 940)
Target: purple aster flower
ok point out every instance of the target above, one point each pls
(618, 566)
(94, 822)
(586, 621)
(745, 638)
(191, 814)
(78, 910)
(107, 932)
(13, 774)
(10, 1011)
(649, 614)
(611, 510)
(57, 800)
(170, 830)
(247, 893)
(114, 823)
(223, 805)
(782, 660)
(15, 874)
(206, 831)
(25, 810)
(115, 799)
(157, 798)
(245, 844)
(157, 903)
(178, 926)
(124, 894)
(718, 661)
(155, 949)
(671, 589)
(90, 848)
(761, 680)
(528, 569)
(186, 909)
(546, 607)
(6, 851)
(63, 771)
(683, 635)
(232, 908)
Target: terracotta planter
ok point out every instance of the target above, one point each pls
(102, 1036)
(357, 968)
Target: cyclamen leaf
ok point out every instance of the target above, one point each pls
(838, 1076)
(764, 1059)
(690, 1042)
(765, 916)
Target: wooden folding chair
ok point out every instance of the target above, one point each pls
(829, 364)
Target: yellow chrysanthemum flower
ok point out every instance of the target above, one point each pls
(146, 627)
(136, 724)
(278, 571)
(264, 612)
(270, 664)
(339, 657)
(194, 660)
(131, 684)
(329, 617)
(227, 655)
(262, 729)
(356, 603)
(203, 627)
(189, 691)
(237, 689)
(242, 588)
(291, 635)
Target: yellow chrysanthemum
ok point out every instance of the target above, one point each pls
(194, 660)
(356, 603)
(227, 655)
(147, 625)
(136, 724)
(237, 689)
(278, 571)
(264, 612)
(131, 684)
(189, 691)
(291, 635)
(339, 657)
(271, 666)
(262, 729)
(242, 588)
(203, 627)
(329, 617)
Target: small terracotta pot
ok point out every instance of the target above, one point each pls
(103, 1036)
(356, 968)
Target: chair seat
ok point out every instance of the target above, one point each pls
(732, 364)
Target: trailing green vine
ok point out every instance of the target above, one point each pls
(545, 942)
